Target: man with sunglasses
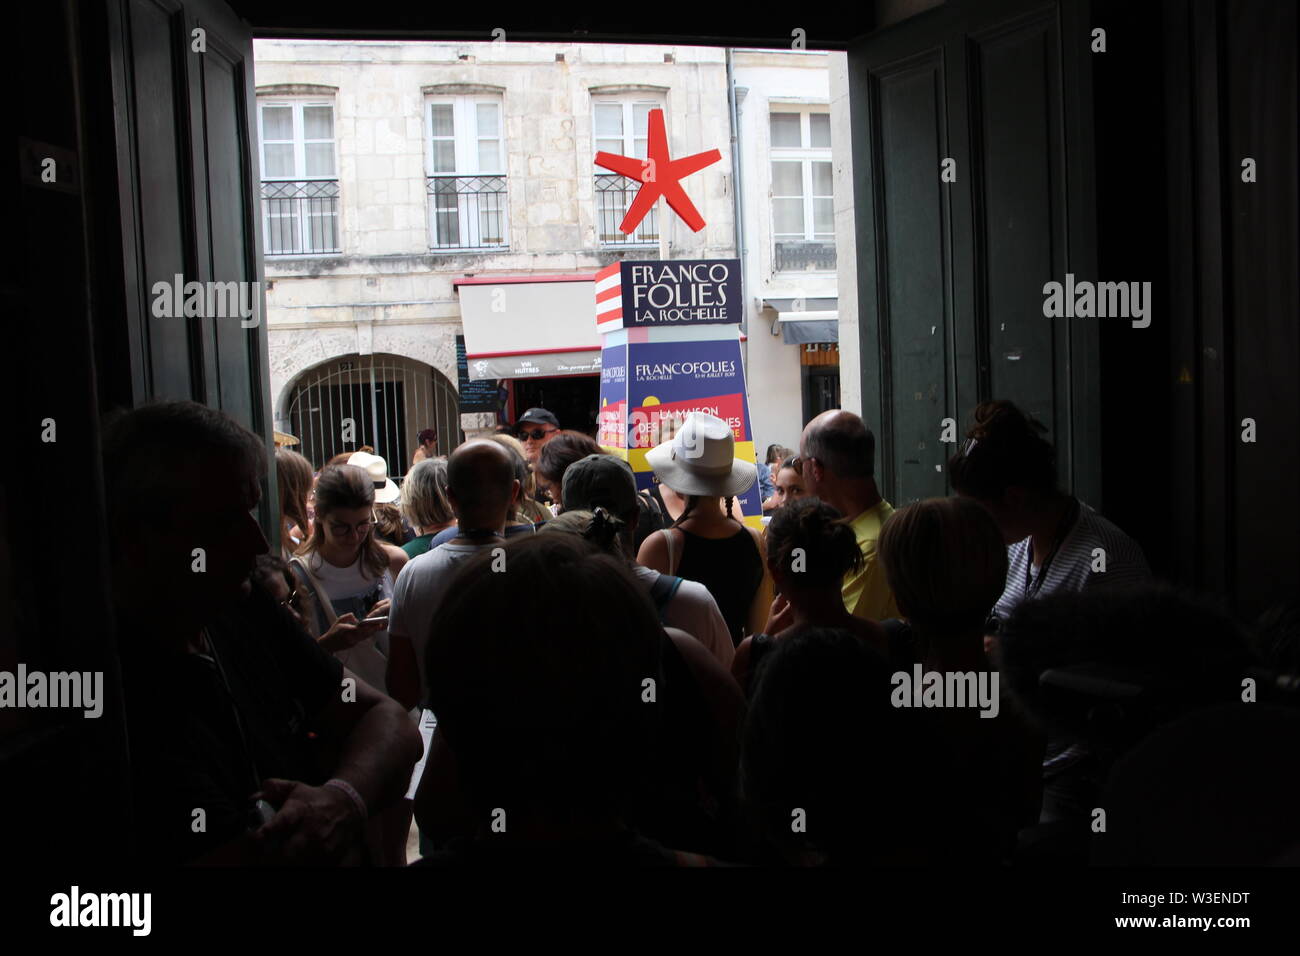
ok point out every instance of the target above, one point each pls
(535, 428)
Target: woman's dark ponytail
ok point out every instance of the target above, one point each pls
(829, 545)
(603, 529)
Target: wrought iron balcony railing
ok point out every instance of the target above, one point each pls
(467, 212)
(805, 256)
(614, 195)
(300, 216)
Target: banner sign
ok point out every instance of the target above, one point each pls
(611, 422)
(535, 365)
(475, 395)
(651, 395)
(668, 353)
(678, 292)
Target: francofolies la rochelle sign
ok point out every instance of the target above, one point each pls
(676, 292)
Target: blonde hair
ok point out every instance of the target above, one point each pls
(424, 494)
(946, 563)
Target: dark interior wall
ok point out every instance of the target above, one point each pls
(950, 274)
(1138, 382)
(1260, 116)
(1215, 512)
(63, 775)
(1116, 166)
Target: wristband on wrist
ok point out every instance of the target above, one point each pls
(347, 788)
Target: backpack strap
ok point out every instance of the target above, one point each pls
(662, 591)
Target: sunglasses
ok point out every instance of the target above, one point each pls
(537, 434)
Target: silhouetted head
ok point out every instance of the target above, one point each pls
(1109, 665)
(1007, 466)
(182, 484)
(546, 713)
(1218, 787)
(810, 548)
(830, 770)
(946, 564)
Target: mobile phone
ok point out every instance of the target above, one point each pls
(375, 620)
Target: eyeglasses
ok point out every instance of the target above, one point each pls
(343, 530)
(293, 601)
(537, 434)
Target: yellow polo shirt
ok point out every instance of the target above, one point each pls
(866, 593)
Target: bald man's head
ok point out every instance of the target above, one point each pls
(842, 444)
(481, 480)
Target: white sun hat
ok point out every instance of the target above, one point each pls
(701, 459)
(385, 490)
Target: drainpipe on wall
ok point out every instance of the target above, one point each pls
(739, 213)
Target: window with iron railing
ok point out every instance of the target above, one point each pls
(803, 201)
(614, 194)
(622, 127)
(466, 180)
(300, 187)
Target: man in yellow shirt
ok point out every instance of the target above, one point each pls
(837, 454)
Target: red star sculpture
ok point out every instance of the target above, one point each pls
(659, 176)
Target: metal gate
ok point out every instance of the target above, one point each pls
(384, 401)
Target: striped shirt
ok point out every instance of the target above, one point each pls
(1072, 567)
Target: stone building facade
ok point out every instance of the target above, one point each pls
(391, 170)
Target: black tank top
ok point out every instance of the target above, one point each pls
(730, 568)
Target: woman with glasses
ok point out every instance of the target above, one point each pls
(347, 573)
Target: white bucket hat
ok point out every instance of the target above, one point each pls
(385, 490)
(701, 459)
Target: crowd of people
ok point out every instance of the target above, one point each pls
(619, 675)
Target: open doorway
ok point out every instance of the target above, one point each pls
(573, 399)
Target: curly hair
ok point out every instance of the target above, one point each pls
(825, 543)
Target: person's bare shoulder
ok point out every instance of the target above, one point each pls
(397, 558)
(654, 552)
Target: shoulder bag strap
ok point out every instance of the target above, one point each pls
(672, 556)
(318, 592)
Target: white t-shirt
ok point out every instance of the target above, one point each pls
(1072, 567)
(693, 610)
(419, 590)
(352, 590)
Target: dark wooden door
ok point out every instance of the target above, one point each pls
(186, 165)
(951, 273)
(155, 169)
